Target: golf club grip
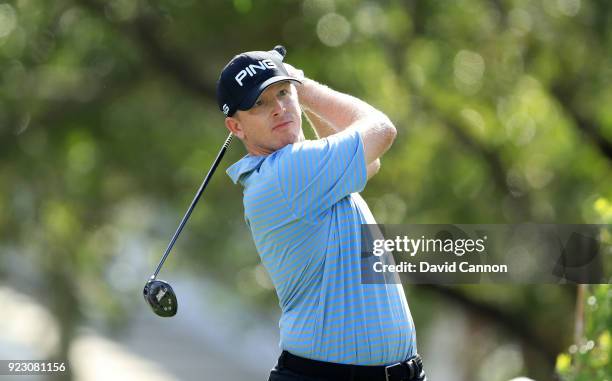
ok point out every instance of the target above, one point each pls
(193, 204)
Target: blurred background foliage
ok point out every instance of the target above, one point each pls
(589, 358)
(108, 122)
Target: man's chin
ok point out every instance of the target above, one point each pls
(291, 140)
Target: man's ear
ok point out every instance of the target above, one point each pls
(234, 126)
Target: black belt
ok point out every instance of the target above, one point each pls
(401, 371)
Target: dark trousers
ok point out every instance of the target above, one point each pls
(287, 375)
(283, 374)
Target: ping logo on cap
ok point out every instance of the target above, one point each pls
(225, 109)
(251, 70)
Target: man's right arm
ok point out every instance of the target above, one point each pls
(323, 129)
(342, 112)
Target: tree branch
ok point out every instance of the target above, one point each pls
(497, 169)
(143, 30)
(564, 94)
(511, 322)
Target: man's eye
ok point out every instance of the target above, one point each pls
(283, 92)
(259, 102)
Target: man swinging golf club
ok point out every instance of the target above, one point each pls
(302, 205)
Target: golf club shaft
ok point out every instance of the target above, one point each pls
(193, 204)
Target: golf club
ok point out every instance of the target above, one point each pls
(158, 293)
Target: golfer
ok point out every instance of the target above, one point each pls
(302, 205)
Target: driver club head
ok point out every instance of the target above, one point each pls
(158, 293)
(280, 49)
(161, 297)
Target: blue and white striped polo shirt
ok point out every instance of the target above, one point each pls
(305, 216)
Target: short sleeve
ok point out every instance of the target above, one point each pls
(316, 174)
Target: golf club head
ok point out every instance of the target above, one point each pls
(161, 297)
(280, 50)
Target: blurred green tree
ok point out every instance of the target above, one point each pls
(108, 121)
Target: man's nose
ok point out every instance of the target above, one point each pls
(279, 106)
